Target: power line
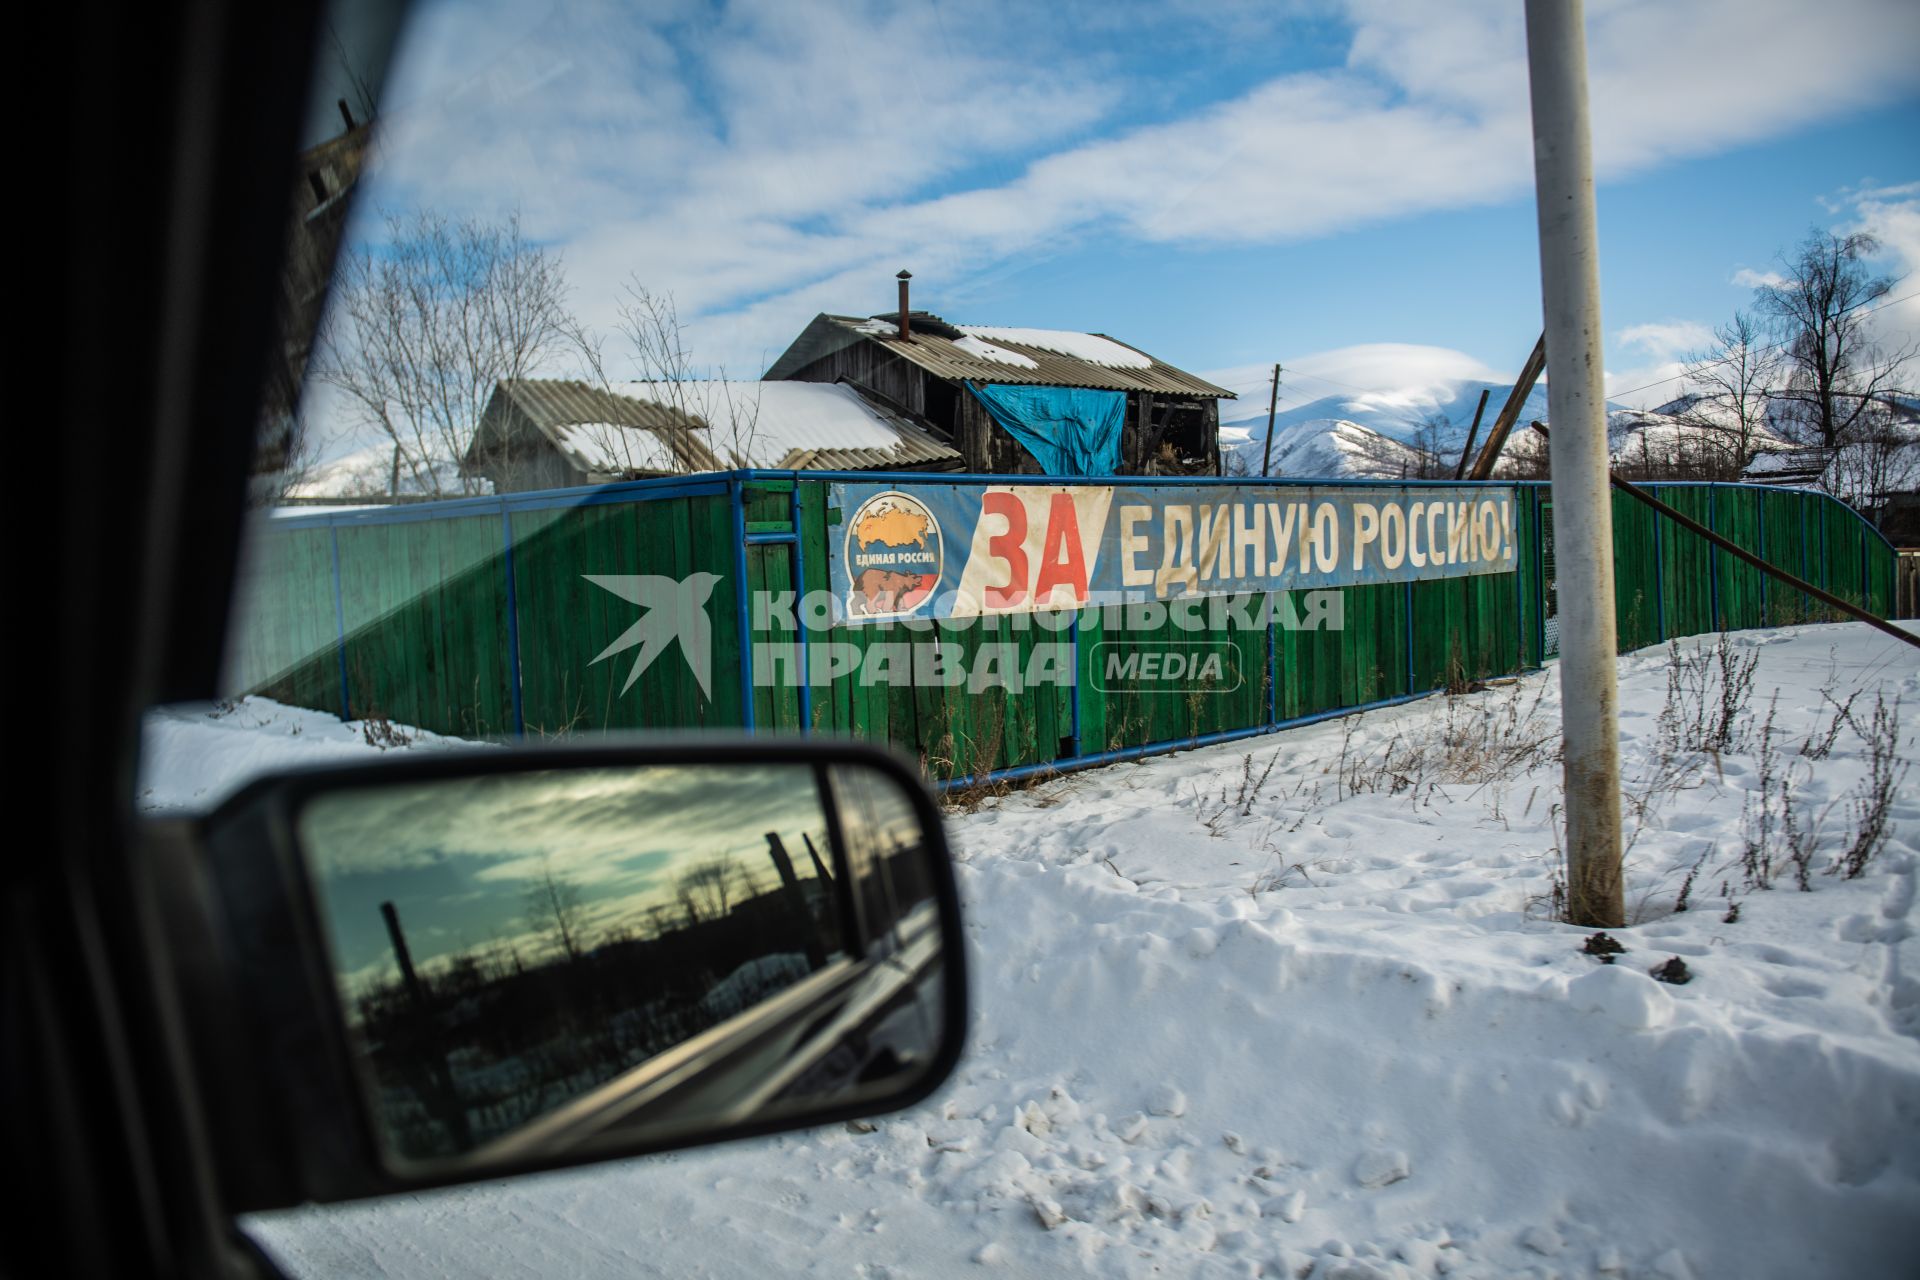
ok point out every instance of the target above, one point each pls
(1772, 346)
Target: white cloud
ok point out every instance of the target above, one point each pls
(1375, 373)
(1891, 215)
(1667, 338)
(1748, 278)
(778, 159)
(1646, 386)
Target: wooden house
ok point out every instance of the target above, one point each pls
(549, 433)
(937, 371)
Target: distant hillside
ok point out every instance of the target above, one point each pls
(1369, 434)
(1334, 448)
(1366, 433)
(368, 474)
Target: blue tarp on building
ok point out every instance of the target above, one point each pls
(1071, 430)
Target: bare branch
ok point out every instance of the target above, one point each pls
(426, 325)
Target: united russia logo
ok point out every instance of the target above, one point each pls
(893, 557)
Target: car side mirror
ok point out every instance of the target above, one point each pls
(470, 964)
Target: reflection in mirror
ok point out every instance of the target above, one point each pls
(529, 960)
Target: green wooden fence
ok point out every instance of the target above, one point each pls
(475, 617)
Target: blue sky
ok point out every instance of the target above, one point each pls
(1344, 187)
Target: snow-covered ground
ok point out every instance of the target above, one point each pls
(1297, 1007)
(191, 759)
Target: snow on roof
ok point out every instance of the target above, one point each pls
(984, 350)
(983, 353)
(1090, 347)
(765, 424)
(1775, 461)
(612, 446)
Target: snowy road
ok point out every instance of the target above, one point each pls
(1233, 1019)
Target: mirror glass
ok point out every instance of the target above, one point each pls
(530, 961)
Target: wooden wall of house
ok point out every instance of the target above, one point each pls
(523, 459)
(872, 365)
(1141, 444)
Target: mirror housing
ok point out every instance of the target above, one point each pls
(477, 963)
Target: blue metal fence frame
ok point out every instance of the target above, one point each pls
(733, 485)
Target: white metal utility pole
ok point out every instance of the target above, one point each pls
(1582, 507)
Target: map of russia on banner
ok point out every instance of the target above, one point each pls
(933, 550)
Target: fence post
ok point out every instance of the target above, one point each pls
(1806, 601)
(513, 620)
(1826, 564)
(800, 618)
(1659, 572)
(736, 498)
(1073, 689)
(340, 626)
(1713, 558)
(1273, 665)
(1540, 576)
(1519, 598)
(1407, 609)
(1866, 595)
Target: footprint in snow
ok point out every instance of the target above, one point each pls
(1381, 1167)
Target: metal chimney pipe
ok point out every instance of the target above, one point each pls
(906, 331)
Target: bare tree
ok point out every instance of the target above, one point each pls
(727, 413)
(660, 920)
(1659, 446)
(1427, 449)
(553, 906)
(293, 463)
(1880, 455)
(425, 326)
(1734, 380)
(1525, 457)
(709, 890)
(1835, 370)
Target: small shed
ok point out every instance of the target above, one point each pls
(544, 433)
(1004, 396)
(1788, 466)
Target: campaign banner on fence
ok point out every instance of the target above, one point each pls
(937, 550)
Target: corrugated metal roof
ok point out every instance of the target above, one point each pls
(634, 427)
(947, 359)
(554, 402)
(590, 425)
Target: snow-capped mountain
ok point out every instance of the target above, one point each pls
(1329, 447)
(1372, 434)
(368, 474)
(1368, 433)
